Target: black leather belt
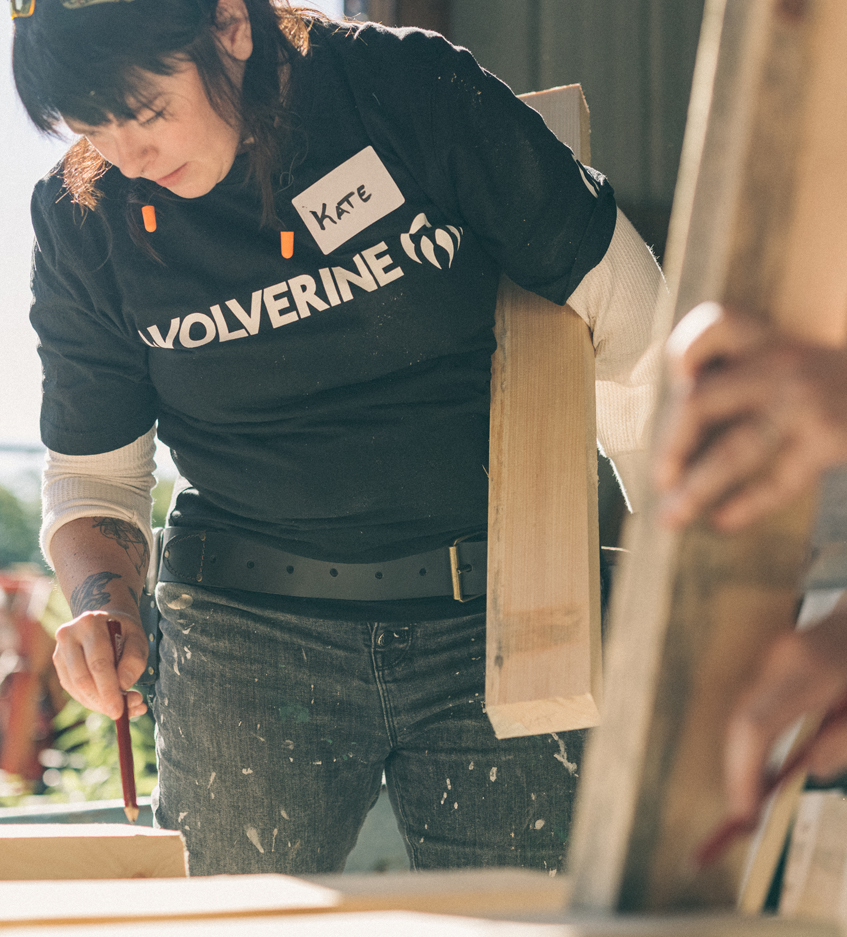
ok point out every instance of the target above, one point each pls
(229, 561)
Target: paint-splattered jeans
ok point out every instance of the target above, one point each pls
(274, 731)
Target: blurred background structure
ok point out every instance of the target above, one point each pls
(633, 58)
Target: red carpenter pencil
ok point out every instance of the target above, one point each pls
(122, 726)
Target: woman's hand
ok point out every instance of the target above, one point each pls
(100, 564)
(754, 419)
(85, 662)
(801, 672)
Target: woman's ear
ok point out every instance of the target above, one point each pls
(234, 32)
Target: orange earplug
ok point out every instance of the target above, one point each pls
(286, 243)
(148, 213)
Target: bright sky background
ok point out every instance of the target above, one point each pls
(25, 157)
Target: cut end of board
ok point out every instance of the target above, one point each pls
(540, 717)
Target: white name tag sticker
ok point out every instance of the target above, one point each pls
(347, 200)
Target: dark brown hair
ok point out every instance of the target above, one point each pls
(90, 64)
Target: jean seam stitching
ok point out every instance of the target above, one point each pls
(384, 703)
(403, 820)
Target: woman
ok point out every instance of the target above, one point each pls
(278, 240)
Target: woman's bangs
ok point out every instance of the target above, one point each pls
(92, 64)
(122, 98)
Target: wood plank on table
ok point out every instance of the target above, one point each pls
(411, 924)
(88, 851)
(484, 892)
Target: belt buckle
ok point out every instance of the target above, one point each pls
(456, 571)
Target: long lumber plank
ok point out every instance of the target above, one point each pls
(412, 924)
(512, 893)
(758, 223)
(543, 671)
(490, 902)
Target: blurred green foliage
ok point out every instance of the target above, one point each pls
(161, 500)
(82, 760)
(81, 763)
(19, 523)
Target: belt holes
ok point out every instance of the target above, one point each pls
(289, 569)
(250, 564)
(377, 575)
(212, 559)
(333, 572)
(422, 572)
(465, 569)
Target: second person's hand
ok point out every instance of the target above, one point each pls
(754, 419)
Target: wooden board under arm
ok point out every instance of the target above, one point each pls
(89, 851)
(543, 670)
(758, 223)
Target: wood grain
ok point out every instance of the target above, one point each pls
(544, 667)
(88, 851)
(692, 611)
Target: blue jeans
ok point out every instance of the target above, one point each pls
(274, 729)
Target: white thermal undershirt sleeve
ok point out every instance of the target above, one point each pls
(110, 484)
(618, 301)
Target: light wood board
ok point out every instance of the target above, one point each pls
(411, 924)
(487, 893)
(543, 671)
(814, 884)
(88, 851)
(758, 223)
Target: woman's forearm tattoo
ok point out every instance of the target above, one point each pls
(128, 537)
(91, 594)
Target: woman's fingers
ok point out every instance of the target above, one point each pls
(135, 703)
(84, 661)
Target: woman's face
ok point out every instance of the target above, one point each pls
(179, 141)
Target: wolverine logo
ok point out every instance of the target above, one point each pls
(446, 239)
